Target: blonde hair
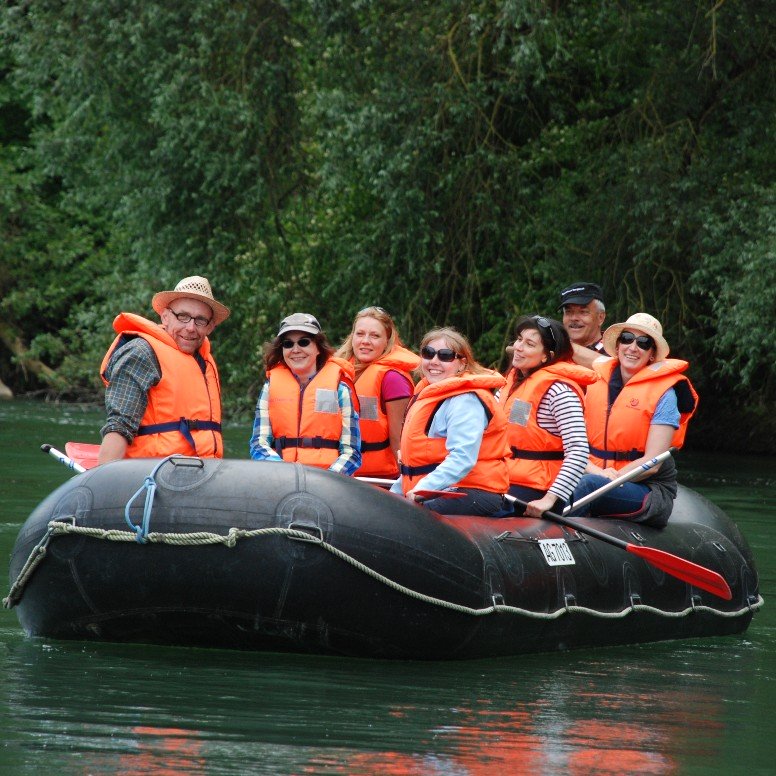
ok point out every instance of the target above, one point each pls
(383, 317)
(457, 342)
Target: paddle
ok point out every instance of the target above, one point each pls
(83, 452)
(381, 481)
(62, 458)
(686, 570)
(621, 480)
(426, 494)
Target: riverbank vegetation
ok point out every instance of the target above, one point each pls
(456, 162)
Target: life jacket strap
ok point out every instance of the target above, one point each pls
(616, 455)
(414, 471)
(185, 426)
(537, 455)
(316, 442)
(371, 447)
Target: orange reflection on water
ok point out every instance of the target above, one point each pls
(164, 752)
(577, 731)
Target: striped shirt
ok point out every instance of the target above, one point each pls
(261, 446)
(560, 413)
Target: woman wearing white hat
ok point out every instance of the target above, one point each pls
(307, 410)
(638, 408)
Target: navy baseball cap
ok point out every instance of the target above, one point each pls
(580, 293)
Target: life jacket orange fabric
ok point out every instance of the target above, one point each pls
(536, 454)
(621, 434)
(307, 425)
(184, 395)
(377, 458)
(421, 452)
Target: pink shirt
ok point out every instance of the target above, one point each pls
(395, 386)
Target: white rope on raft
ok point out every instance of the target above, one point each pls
(199, 538)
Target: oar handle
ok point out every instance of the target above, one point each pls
(572, 523)
(62, 458)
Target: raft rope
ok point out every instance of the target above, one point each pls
(60, 528)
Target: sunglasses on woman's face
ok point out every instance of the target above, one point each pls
(303, 342)
(445, 354)
(643, 341)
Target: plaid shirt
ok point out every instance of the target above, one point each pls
(132, 370)
(261, 444)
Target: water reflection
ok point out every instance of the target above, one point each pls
(135, 709)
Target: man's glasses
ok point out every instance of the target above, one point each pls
(445, 354)
(543, 323)
(199, 321)
(643, 341)
(303, 342)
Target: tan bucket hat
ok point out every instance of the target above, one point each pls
(194, 287)
(644, 323)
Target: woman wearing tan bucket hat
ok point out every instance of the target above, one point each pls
(163, 394)
(638, 407)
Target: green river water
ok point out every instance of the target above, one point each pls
(703, 706)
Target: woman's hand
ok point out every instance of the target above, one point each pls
(539, 506)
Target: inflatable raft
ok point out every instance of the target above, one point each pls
(282, 557)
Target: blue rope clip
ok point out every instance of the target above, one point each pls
(149, 485)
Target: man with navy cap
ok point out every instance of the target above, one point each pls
(584, 313)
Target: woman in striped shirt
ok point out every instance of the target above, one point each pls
(543, 403)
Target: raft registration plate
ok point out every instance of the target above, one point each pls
(556, 552)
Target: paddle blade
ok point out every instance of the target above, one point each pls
(83, 453)
(686, 570)
(439, 493)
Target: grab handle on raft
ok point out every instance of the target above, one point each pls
(686, 570)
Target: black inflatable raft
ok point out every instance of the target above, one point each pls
(274, 556)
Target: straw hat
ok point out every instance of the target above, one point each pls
(300, 322)
(643, 323)
(194, 287)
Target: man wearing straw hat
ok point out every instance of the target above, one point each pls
(163, 394)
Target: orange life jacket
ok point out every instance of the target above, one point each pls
(420, 454)
(619, 435)
(307, 425)
(537, 454)
(183, 414)
(377, 459)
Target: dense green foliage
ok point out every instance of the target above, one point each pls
(454, 161)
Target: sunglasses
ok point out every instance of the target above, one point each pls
(543, 323)
(643, 341)
(303, 342)
(370, 309)
(445, 354)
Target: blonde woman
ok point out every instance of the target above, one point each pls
(455, 432)
(384, 385)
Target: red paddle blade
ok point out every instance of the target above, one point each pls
(83, 453)
(686, 570)
(439, 493)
